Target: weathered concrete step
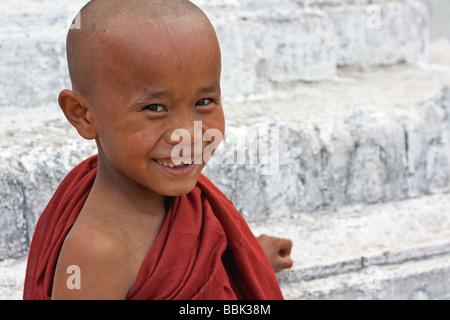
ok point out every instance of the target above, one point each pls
(377, 34)
(422, 279)
(12, 277)
(373, 135)
(33, 67)
(260, 52)
(398, 250)
(264, 43)
(37, 149)
(426, 279)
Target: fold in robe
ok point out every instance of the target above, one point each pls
(204, 251)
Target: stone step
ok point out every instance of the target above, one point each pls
(37, 149)
(264, 43)
(412, 280)
(376, 34)
(373, 135)
(32, 47)
(399, 250)
(294, 42)
(12, 277)
(33, 67)
(260, 51)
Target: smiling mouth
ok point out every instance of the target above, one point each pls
(172, 165)
(185, 168)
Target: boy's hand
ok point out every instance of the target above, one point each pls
(278, 251)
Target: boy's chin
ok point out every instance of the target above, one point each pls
(179, 190)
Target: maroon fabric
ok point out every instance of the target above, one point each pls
(204, 250)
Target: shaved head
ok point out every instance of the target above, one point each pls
(103, 21)
(140, 70)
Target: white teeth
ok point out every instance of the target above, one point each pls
(171, 165)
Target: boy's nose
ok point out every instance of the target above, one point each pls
(187, 130)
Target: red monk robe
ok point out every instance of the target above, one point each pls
(204, 251)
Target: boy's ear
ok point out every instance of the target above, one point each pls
(77, 112)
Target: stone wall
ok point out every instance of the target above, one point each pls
(264, 43)
(439, 14)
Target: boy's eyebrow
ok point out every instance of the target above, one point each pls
(151, 95)
(154, 95)
(210, 89)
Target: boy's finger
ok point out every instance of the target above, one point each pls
(285, 246)
(283, 263)
(286, 262)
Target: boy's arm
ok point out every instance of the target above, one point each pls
(91, 266)
(278, 251)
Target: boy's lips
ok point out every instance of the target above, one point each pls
(186, 167)
(179, 161)
(169, 163)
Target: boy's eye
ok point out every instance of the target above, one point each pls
(155, 108)
(203, 102)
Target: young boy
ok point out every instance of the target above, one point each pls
(133, 223)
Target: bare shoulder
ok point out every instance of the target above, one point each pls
(93, 264)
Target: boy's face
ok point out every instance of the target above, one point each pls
(153, 82)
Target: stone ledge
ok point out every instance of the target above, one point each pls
(364, 138)
(264, 44)
(400, 33)
(270, 49)
(413, 280)
(38, 148)
(424, 279)
(370, 252)
(399, 250)
(34, 67)
(12, 278)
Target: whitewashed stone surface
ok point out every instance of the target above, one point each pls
(259, 52)
(398, 250)
(393, 32)
(264, 43)
(365, 159)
